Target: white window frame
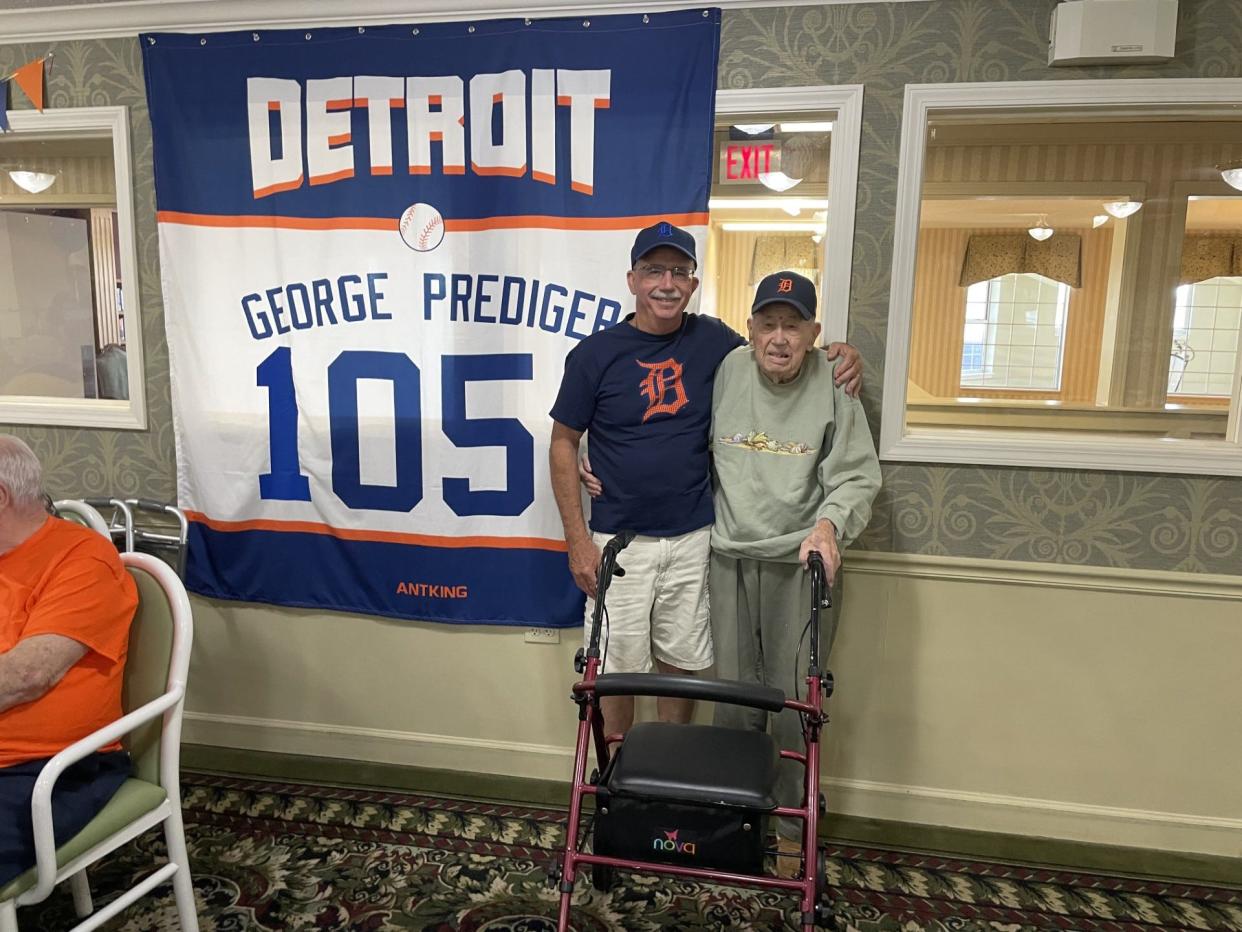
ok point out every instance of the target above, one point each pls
(1050, 448)
(128, 414)
(846, 101)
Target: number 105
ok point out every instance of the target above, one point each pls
(285, 481)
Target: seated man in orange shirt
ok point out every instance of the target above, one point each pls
(66, 604)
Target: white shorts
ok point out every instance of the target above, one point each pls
(658, 609)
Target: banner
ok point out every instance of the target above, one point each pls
(378, 244)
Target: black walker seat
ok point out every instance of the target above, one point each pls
(702, 764)
(697, 795)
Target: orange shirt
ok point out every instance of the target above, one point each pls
(68, 580)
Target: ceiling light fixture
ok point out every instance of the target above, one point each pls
(34, 182)
(1098, 221)
(753, 129)
(1122, 209)
(1231, 174)
(1041, 231)
(778, 181)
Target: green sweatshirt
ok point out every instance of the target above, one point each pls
(785, 456)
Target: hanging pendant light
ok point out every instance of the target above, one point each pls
(1231, 174)
(1122, 209)
(1041, 231)
(33, 182)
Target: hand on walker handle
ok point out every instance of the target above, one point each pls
(823, 540)
(584, 558)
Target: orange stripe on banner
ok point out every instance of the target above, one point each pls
(497, 98)
(361, 102)
(454, 169)
(396, 102)
(499, 170)
(282, 223)
(544, 177)
(436, 136)
(343, 104)
(334, 176)
(273, 105)
(522, 222)
(603, 103)
(577, 186)
(387, 537)
(339, 139)
(381, 169)
(420, 169)
(277, 188)
(563, 101)
(434, 100)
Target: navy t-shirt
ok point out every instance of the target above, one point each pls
(647, 401)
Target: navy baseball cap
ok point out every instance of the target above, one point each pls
(787, 288)
(662, 234)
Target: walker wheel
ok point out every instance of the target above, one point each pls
(554, 875)
(603, 878)
(825, 917)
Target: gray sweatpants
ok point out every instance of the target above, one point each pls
(759, 610)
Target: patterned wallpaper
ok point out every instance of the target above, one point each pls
(1111, 519)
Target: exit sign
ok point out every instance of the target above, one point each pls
(744, 162)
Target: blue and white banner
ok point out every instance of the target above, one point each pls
(378, 244)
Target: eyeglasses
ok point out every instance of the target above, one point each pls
(653, 273)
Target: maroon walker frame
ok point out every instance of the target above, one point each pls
(809, 888)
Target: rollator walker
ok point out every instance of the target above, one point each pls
(691, 800)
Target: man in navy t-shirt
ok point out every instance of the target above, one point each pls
(644, 390)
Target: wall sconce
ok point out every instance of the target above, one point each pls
(1041, 231)
(1231, 174)
(33, 182)
(1098, 221)
(778, 181)
(1122, 209)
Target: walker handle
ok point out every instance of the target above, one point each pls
(821, 597)
(607, 567)
(672, 685)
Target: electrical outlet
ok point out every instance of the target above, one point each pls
(543, 636)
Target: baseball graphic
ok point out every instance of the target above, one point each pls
(422, 227)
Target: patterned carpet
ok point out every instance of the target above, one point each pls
(271, 856)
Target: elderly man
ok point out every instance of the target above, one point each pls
(66, 604)
(795, 471)
(643, 388)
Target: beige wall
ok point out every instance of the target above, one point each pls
(1076, 703)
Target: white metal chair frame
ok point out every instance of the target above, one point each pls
(84, 514)
(170, 707)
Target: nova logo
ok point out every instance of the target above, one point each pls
(284, 133)
(670, 843)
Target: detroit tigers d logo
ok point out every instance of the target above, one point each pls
(662, 388)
